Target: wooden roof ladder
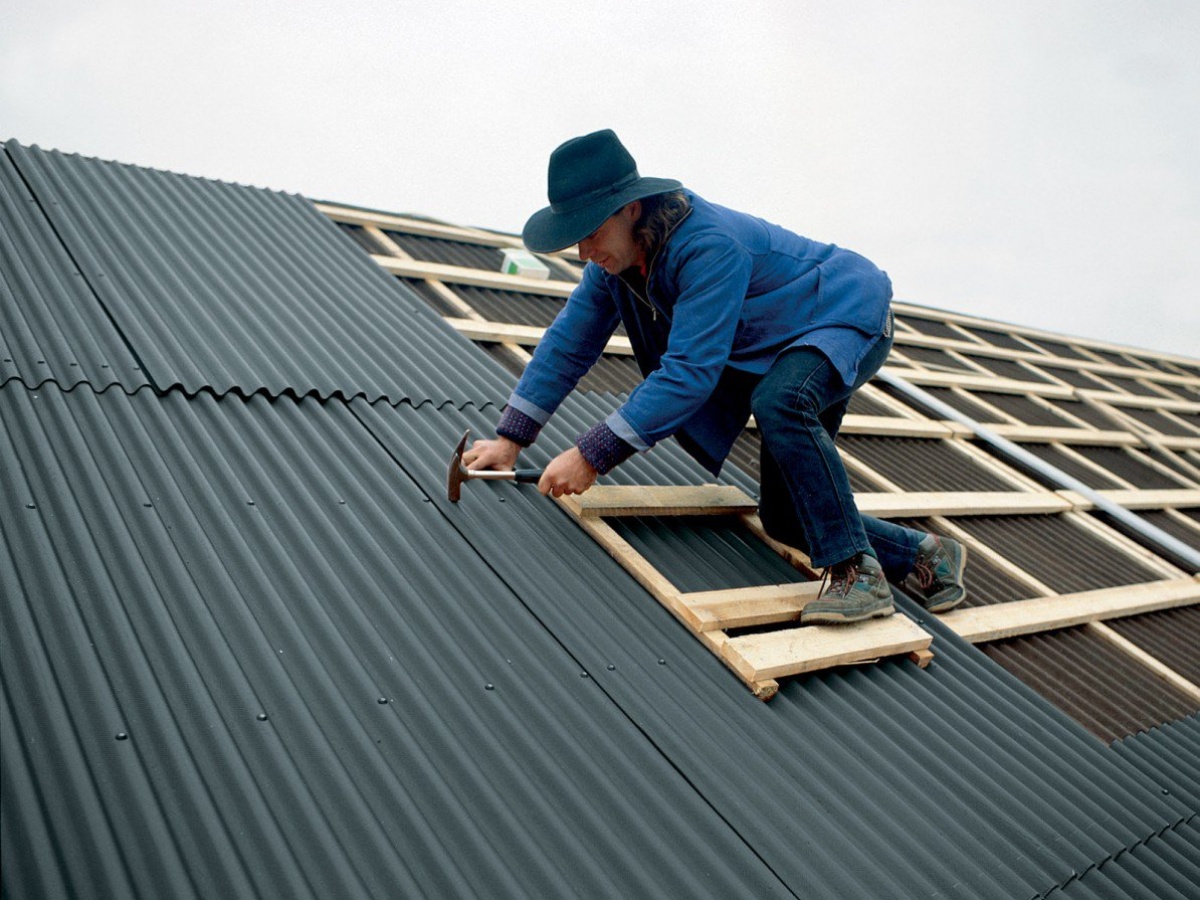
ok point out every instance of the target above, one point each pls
(757, 657)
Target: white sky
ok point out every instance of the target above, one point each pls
(1032, 162)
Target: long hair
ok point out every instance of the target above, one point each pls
(660, 214)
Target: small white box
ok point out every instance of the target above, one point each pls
(521, 262)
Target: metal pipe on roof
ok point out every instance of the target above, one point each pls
(1152, 533)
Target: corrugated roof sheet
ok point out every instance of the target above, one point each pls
(1075, 668)
(248, 648)
(223, 287)
(175, 570)
(52, 327)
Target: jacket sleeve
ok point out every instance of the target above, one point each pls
(569, 348)
(713, 276)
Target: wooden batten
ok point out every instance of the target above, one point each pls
(981, 382)
(1154, 499)
(1004, 620)
(421, 227)
(1034, 434)
(894, 426)
(744, 607)
(964, 503)
(655, 500)
(774, 654)
(411, 268)
(525, 335)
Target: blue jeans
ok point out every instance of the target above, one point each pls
(806, 500)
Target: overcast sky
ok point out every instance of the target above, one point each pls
(1031, 161)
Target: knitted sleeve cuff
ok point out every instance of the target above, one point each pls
(601, 447)
(518, 427)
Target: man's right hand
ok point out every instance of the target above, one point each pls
(497, 453)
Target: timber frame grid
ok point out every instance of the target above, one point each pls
(1053, 372)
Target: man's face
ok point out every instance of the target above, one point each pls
(611, 246)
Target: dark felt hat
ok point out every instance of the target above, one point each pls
(591, 177)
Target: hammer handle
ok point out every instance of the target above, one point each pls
(522, 476)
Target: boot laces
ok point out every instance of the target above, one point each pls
(925, 576)
(840, 583)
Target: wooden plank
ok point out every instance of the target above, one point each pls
(798, 559)
(656, 500)
(1031, 434)
(411, 268)
(893, 426)
(963, 503)
(793, 651)
(982, 382)
(1004, 620)
(528, 335)
(1154, 499)
(743, 607)
(422, 227)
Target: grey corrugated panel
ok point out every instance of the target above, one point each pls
(612, 374)
(144, 594)
(52, 328)
(1131, 385)
(1008, 368)
(1160, 518)
(1130, 465)
(1166, 867)
(923, 464)
(700, 554)
(1169, 754)
(1058, 552)
(1074, 377)
(963, 404)
(360, 237)
(864, 405)
(931, 327)
(1024, 409)
(1069, 464)
(935, 359)
(997, 338)
(515, 307)
(1087, 413)
(1057, 348)
(986, 583)
(1172, 635)
(225, 287)
(452, 253)
(1097, 684)
(897, 755)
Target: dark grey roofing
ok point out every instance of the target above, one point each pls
(206, 594)
(228, 288)
(175, 568)
(52, 328)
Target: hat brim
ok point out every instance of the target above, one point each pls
(548, 231)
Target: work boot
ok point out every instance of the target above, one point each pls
(939, 572)
(856, 590)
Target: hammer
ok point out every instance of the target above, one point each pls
(458, 473)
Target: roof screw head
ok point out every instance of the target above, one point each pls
(611, 667)
(662, 662)
(583, 674)
(122, 736)
(147, 505)
(382, 701)
(249, 502)
(489, 687)
(31, 506)
(262, 717)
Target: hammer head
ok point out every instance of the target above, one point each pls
(457, 472)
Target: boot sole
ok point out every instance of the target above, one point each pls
(837, 618)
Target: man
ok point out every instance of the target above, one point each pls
(727, 314)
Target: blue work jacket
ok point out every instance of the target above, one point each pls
(725, 295)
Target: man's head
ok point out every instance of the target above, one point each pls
(591, 179)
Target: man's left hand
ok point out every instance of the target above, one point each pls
(568, 473)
